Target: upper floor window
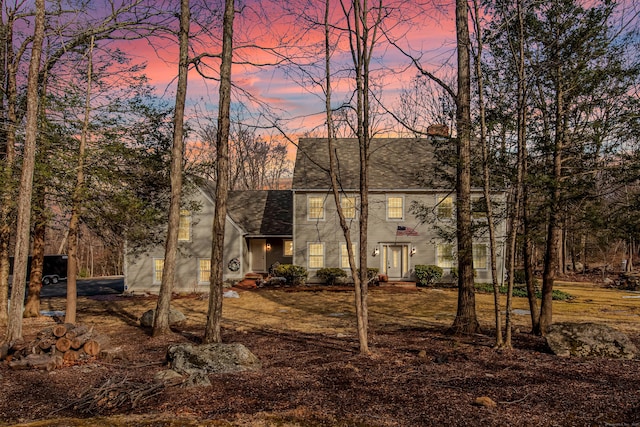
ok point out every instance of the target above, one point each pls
(315, 207)
(445, 207)
(184, 229)
(287, 248)
(315, 255)
(348, 204)
(395, 207)
(480, 261)
(478, 208)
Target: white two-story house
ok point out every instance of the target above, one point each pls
(402, 176)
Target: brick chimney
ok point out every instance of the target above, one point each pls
(438, 130)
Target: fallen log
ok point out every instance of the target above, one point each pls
(71, 356)
(60, 330)
(37, 361)
(63, 344)
(77, 331)
(93, 346)
(45, 333)
(80, 340)
(45, 344)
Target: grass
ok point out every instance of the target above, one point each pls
(332, 312)
(520, 291)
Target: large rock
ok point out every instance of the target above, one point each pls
(176, 318)
(589, 340)
(211, 358)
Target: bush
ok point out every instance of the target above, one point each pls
(372, 274)
(294, 274)
(427, 275)
(332, 275)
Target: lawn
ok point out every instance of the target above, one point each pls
(312, 374)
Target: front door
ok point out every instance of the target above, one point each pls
(394, 261)
(258, 255)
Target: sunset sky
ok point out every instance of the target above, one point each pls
(429, 31)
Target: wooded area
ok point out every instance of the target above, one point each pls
(541, 101)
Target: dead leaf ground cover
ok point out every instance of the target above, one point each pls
(312, 375)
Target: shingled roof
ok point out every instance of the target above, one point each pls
(262, 212)
(395, 163)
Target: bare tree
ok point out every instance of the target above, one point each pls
(466, 321)
(10, 108)
(161, 317)
(212, 331)
(336, 187)
(76, 200)
(486, 172)
(14, 329)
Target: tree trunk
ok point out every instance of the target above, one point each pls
(551, 259)
(7, 205)
(14, 329)
(486, 175)
(161, 318)
(76, 200)
(214, 315)
(335, 185)
(529, 275)
(32, 306)
(466, 321)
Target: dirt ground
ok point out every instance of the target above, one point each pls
(312, 374)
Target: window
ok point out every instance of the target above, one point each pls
(445, 207)
(315, 209)
(478, 208)
(316, 255)
(480, 257)
(204, 270)
(184, 229)
(395, 208)
(444, 254)
(158, 267)
(348, 204)
(344, 255)
(287, 248)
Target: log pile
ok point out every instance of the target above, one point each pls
(56, 346)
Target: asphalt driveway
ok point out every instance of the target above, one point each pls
(86, 287)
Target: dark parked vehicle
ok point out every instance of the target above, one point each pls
(54, 268)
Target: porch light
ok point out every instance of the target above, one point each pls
(376, 251)
(268, 246)
(413, 250)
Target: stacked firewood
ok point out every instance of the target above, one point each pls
(56, 346)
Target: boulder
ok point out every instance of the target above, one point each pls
(589, 340)
(216, 358)
(176, 318)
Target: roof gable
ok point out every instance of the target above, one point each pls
(394, 163)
